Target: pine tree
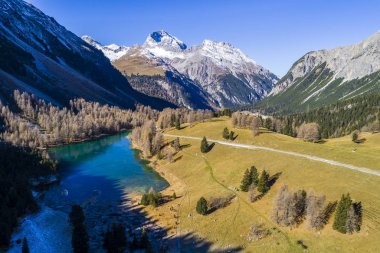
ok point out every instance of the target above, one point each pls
(204, 145)
(262, 185)
(25, 246)
(246, 182)
(254, 176)
(341, 213)
(202, 206)
(144, 200)
(226, 133)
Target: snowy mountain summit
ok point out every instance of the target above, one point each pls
(229, 76)
(165, 40)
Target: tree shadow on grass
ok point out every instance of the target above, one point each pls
(191, 243)
(273, 179)
(360, 141)
(161, 240)
(210, 147)
(185, 146)
(178, 158)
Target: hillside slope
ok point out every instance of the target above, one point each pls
(40, 56)
(326, 76)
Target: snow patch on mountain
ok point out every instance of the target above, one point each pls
(112, 52)
(222, 70)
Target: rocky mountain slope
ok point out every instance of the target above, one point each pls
(326, 76)
(222, 74)
(40, 56)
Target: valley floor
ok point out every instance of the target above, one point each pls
(219, 173)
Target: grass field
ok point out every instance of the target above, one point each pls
(220, 171)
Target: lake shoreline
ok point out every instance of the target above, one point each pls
(166, 215)
(93, 138)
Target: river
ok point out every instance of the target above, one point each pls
(97, 175)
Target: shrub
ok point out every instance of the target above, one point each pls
(257, 232)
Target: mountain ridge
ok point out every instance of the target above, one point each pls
(325, 76)
(228, 76)
(41, 55)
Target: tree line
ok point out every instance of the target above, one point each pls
(35, 123)
(339, 119)
(307, 131)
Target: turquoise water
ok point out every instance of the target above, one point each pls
(95, 174)
(107, 167)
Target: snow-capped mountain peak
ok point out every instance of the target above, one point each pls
(227, 75)
(112, 52)
(224, 53)
(92, 41)
(165, 40)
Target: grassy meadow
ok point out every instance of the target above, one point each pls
(219, 173)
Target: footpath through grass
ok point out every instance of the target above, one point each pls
(219, 172)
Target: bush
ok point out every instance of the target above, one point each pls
(257, 232)
(202, 206)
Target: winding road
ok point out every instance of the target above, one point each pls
(310, 157)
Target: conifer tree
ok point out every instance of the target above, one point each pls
(204, 145)
(246, 182)
(262, 185)
(202, 206)
(144, 200)
(254, 176)
(25, 246)
(226, 133)
(341, 213)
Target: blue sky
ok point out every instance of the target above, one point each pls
(275, 33)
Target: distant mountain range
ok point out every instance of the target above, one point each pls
(324, 77)
(213, 74)
(40, 56)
